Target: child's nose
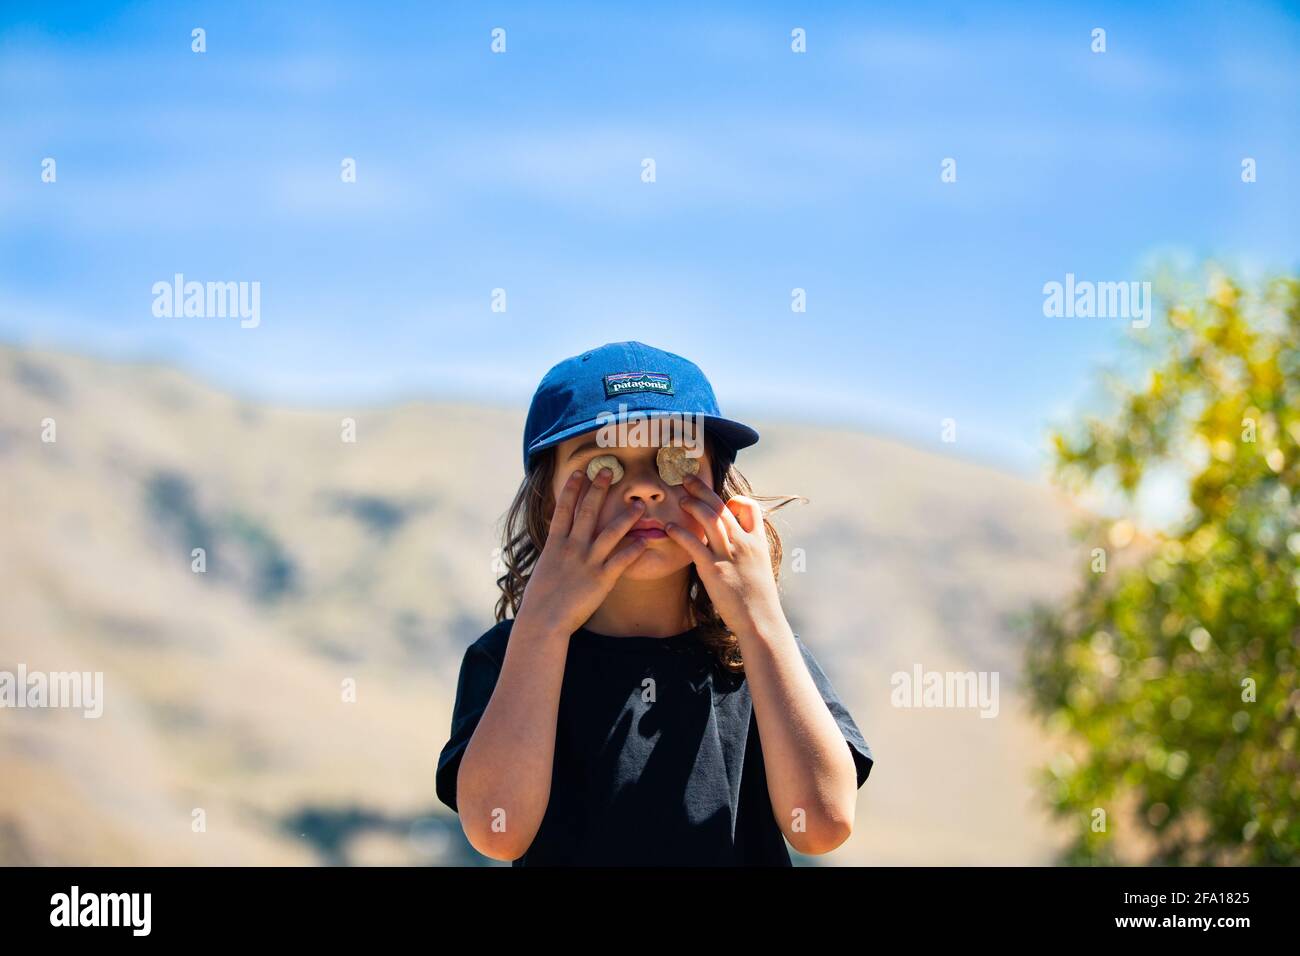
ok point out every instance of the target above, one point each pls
(641, 481)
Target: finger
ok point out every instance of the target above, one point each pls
(584, 521)
(704, 493)
(692, 526)
(693, 546)
(625, 554)
(700, 489)
(562, 516)
(616, 529)
(714, 528)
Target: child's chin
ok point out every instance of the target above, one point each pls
(657, 562)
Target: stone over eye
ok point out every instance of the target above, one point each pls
(605, 461)
(674, 464)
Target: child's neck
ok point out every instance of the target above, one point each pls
(644, 608)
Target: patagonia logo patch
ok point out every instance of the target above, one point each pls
(621, 383)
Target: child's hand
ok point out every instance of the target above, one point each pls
(731, 554)
(574, 573)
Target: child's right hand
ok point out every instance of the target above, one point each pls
(574, 573)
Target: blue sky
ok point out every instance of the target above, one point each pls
(523, 171)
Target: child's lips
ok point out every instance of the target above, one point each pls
(648, 528)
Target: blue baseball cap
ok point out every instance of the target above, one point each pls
(590, 390)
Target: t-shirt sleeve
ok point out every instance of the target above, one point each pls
(478, 677)
(862, 758)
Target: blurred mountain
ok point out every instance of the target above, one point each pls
(333, 564)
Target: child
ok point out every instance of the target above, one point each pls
(648, 703)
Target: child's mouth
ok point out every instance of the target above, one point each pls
(648, 528)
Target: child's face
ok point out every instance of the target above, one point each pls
(641, 481)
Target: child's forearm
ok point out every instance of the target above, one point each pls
(811, 777)
(504, 781)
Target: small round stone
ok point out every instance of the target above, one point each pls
(605, 461)
(674, 464)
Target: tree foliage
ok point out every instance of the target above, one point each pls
(1170, 674)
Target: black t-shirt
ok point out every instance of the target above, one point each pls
(673, 781)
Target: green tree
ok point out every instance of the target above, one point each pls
(1169, 676)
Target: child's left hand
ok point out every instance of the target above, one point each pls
(735, 564)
